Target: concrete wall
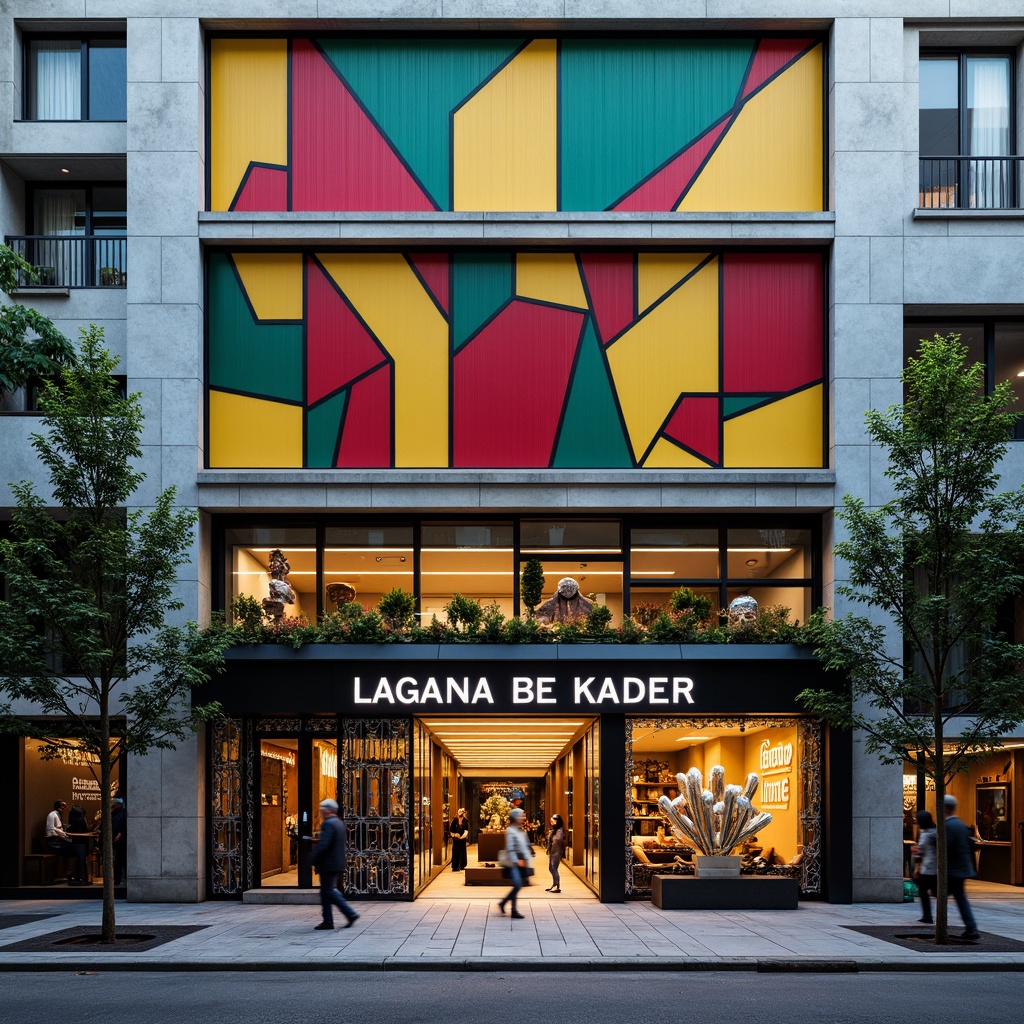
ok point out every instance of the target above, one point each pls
(884, 258)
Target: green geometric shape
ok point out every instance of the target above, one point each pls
(323, 425)
(628, 105)
(260, 359)
(481, 284)
(591, 434)
(411, 86)
(734, 406)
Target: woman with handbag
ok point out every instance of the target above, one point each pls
(518, 859)
(556, 851)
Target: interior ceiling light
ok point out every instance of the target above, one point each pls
(751, 561)
(64, 170)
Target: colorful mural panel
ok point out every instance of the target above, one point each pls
(516, 124)
(529, 360)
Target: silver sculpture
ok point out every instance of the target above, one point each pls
(281, 592)
(715, 820)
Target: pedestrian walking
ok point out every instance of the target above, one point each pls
(556, 851)
(959, 864)
(328, 858)
(519, 856)
(924, 863)
(458, 830)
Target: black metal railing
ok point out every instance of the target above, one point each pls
(73, 261)
(971, 182)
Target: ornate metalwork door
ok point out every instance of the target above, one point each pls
(374, 780)
(226, 767)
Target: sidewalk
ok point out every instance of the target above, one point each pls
(468, 933)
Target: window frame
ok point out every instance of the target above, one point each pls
(723, 522)
(988, 324)
(86, 41)
(962, 55)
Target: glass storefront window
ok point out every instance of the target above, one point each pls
(471, 559)
(72, 779)
(248, 556)
(673, 554)
(538, 537)
(796, 599)
(775, 749)
(279, 812)
(368, 560)
(769, 554)
(600, 582)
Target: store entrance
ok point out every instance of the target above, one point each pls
(488, 764)
(295, 774)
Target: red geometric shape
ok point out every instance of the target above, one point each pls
(433, 268)
(510, 384)
(695, 424)
(611, 284)
(266, 188)
(338, 346)
(366, 434)
(772, 55)
(340, 161)
(661, 192)
(772, 321)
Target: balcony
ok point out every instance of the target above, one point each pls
(971, 182)
(73, 261)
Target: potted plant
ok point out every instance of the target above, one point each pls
(110, 276)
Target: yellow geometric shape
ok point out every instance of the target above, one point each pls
(505, 145)
(659, 271)
(248, 111)
(392, 301)
(771, 157)
(666, 455)
(273, 283)
(671, 350)
(783, 434)
(550, 277)
(254, 432)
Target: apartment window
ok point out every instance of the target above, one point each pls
(78, 235)
(76, 79)
(996, 342)
(967, 132)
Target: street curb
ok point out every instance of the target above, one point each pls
(521, 964)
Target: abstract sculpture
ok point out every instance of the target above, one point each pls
(715, 820)
(281, 592)
(742, 613)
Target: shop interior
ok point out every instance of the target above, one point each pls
(989, 801)
(73, 778)
(772, 750)
(628, 568)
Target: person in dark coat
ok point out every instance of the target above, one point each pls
(959, 864)
(119, 829)
(459, 832)
(328, 858)
(78, 829)
(556, 843)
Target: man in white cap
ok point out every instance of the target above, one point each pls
(328, 859)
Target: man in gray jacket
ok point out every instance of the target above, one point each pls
(959, 864)
(328, 859)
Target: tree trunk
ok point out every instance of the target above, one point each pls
(107, 832)
(941, 850)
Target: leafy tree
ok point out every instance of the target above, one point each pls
(23, 357)
(397, 608)
(933, 565)
(531, 584)
(83, 636)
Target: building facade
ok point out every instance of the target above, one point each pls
(413, 296)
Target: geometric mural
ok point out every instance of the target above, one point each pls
(516, 124)
(515, 359)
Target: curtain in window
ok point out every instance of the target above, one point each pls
(58, 80)
(988, 103)
(57, 214)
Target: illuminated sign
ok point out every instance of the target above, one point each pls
(775, 760)
(549, 691)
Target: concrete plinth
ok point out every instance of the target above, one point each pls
(748, 892)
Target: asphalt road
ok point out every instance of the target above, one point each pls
(468, 998)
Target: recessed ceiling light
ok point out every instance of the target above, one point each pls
(751, 561)
(64, 170)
